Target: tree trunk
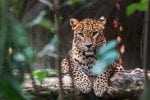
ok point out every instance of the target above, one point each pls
(128, 84)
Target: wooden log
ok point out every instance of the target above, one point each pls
(127, 84)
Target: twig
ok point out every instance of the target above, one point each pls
(48, 3)
(3, 26)
(145, 50)
(72, 78)
(31, 76)
(57, 22)
(145, 54)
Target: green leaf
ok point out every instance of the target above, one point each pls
(141, 6)
(19, 39)
(106, 56)
(105, 49)
(19, 36)
(99, 67)
(110, 57)
(131, 8)
(40, 75)
(106, 60)
(11, 89)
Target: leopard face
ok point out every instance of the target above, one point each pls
(88, 34)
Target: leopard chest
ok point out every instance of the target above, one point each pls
(83, 62)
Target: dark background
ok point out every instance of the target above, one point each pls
(131, 35)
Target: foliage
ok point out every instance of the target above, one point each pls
(140, 6)
(15, 52)
(106, 55)
(41, 74)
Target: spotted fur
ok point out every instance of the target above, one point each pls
(88, 38)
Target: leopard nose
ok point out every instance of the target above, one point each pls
(88, 45)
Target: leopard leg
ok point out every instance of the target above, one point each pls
(65, 66)
(118, 67)
(81, 81)
(100, 84)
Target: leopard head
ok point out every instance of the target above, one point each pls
(88, 34)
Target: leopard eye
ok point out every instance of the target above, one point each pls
(81, 34)
(95, 33)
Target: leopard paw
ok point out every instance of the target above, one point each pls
(82, 82)
(84, 87)
(100, 86)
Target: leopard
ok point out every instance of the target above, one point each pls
(88, 38)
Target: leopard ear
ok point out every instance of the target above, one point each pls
(73, 22)
(102, 19)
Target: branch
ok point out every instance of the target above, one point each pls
(122, 85)
(58, 31)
